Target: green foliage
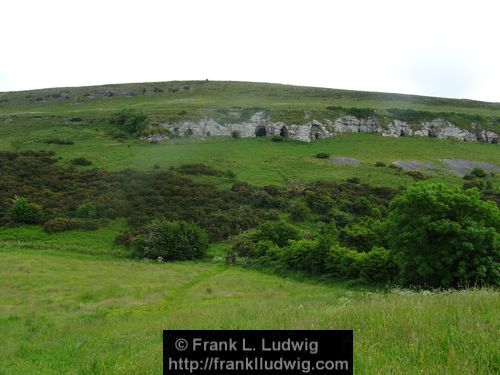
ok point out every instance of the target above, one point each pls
(360, 113)
(172, 240)
(416, 175)
(199, 169)
(61, 224)
(445, 237)
(129, 120)
(299, 212)
(59, 141)
(364, 234)
(81, 161)
(323, 155)
(478, 172)
(378, 265)
(87, 210)
(22, 211)
(278, 232)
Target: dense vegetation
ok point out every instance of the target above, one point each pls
(342, 230)
(283, 238)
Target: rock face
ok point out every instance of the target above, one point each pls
(260, 124)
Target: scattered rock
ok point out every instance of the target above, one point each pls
(413, 165)
(344, 161)
(462, 167)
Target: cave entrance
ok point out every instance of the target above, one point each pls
(260, 131)
(316, 132)
(284, 132)
(235, 134)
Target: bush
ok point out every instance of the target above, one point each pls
(81, 161)
(129, 120)
(322, 155)
(22, 211)
(87, 211)
(378, 265)
(305, 255)
(198, 169)
(299, 212)
(172, 240)
(478, 172)
(364, 234)
(342, 262)
(61, 224)
(277, 232)
(445, 237)
(58, 141)
(379, 164)
(416, 175)
(245, 246)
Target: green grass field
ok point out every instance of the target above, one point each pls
(74, 303)
(63, 313)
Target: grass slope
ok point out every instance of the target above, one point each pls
(67, 314)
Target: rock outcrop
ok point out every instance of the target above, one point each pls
(260, 124)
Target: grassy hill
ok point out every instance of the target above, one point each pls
(75, 302)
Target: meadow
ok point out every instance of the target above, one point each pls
(63, 313)
(76, 302)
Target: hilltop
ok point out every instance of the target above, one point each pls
(244, 109)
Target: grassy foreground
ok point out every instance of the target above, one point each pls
(71, 313)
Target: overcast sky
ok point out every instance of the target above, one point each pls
(439, 48)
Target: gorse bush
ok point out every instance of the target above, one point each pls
(278, 232)
(61, 224)
(322, 155)
(22, 211)
(87, 210)
(445, 237)
(129, 120)
(172, 240)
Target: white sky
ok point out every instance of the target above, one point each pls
(440, 47)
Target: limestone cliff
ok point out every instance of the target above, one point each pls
(260, 124)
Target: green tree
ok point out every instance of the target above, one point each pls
(172, 240)
(25, 212)
(445, 237)
(130, 120)
(277, 232)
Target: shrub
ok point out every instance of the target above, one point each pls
(364, 235)
(198, 169)
(475, 184)
(80, 161)
(58, 141)
(87, 210)
(343, 262)
(378, 265)
(244, 245)
(379, 164)
(129, 120)
(478, 172)
(61, 224)
(445, 237)
(322, 155)
(22, 211)
(416, 175)
(172, 240)
(299, 212)
(277, 232)
(296, 252)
